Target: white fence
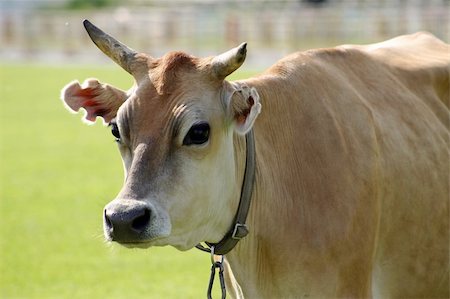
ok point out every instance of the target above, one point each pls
(272, 28)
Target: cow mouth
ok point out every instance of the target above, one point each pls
(142, 244)
(139, 245)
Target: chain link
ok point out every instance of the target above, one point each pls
(214, 266)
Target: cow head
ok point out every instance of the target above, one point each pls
(174, 129)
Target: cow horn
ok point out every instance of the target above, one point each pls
(226, 63)
(114, 49)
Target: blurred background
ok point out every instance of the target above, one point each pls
(57, 174)
(51, 31)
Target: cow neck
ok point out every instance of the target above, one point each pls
(238, 228)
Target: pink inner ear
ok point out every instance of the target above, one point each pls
(89, 103)
(251, 101)
(92, 105)
(241, 117)
(92, 98)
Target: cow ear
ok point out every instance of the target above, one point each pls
(97, 99)
(242, 104)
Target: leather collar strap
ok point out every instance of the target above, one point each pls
(238, 229)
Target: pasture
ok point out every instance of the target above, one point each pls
(56, 175)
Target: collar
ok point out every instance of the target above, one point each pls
(238, 228)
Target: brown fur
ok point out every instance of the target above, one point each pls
(166, 71)
(351, 198)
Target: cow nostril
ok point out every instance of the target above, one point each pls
(141, 222)
(108, 222)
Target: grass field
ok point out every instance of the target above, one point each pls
(56, 175)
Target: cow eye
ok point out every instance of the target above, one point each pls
(115, 130)
(198, 134)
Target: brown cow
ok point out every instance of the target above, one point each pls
(351, 197)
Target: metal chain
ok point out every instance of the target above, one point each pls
(215, 265)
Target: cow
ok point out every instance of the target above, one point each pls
(351, 147)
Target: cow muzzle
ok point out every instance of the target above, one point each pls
(131, 221)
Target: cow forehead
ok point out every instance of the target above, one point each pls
(177, 87)
(142, 114)
(175, 68)
(173, 74)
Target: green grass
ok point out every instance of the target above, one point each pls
(56, 175)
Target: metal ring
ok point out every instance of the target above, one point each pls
(212, 256)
